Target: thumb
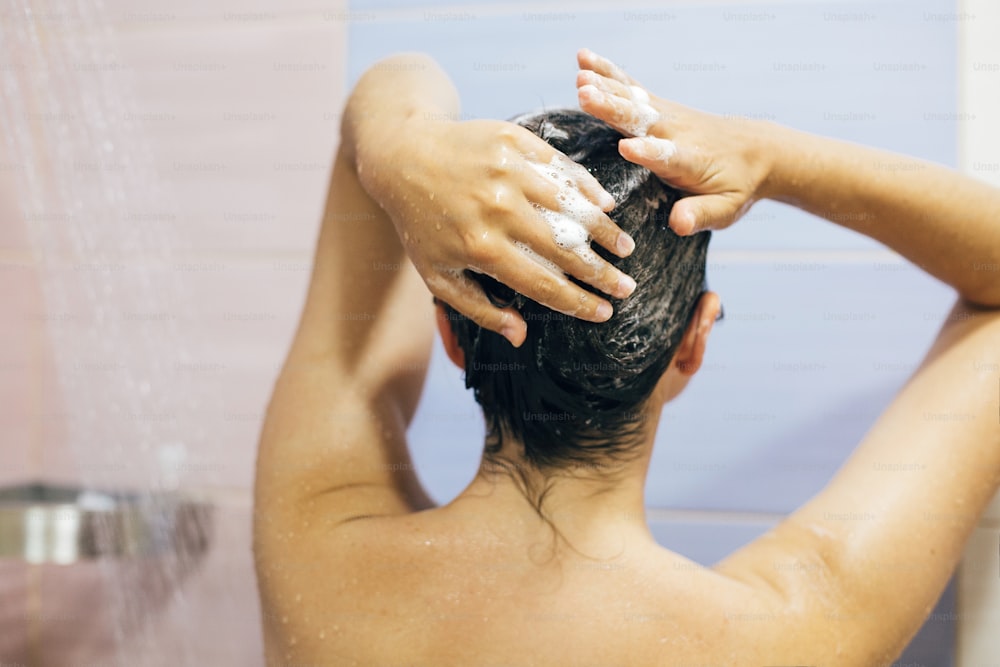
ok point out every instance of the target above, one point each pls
(696, 214)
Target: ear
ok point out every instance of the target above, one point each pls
(692, 348)
(451, 345)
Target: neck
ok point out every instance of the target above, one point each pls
(597, 509)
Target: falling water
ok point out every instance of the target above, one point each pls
(101, 233)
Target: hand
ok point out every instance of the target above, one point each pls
(717, 160)
(476, 195)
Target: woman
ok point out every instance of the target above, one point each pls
(545, 558)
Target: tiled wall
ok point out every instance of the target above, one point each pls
(239, 102)
(237, 105)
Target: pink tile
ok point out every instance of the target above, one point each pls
(174, 382)
(165, 612)
(242, 124)
(233, 13)
(14, 232)
(145, 16)
(20, 350)
(73, 617)
(15, 612)
(220, 139)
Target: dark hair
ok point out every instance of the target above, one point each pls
(574, 392)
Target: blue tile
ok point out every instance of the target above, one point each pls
(706, 543)
(887, 78)
(809, 355)
(446, 436)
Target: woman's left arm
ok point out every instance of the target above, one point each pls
(460, 195)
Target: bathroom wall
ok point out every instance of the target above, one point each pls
(239, 103)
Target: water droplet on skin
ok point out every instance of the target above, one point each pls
(432, 196)
(298, 598)
(322, 635)
(437, 226)
(406, 236)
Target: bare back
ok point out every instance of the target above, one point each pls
(425, 589)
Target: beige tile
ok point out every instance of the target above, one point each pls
(993, 511)
(205, 614)
(979, 600)
(979, 89)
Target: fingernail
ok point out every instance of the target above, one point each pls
(626, 285)
(604, 312)
(625, 245)
(511, 333)
(636, 144)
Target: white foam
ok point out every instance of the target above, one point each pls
(639, 94)
(534, 256)
(568, 224)
(645, 117)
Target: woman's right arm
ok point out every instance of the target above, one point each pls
(946, 223)
(853, 573)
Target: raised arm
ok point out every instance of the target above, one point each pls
(460, 195)
(856, 570)
(487, 196)
(944, 222)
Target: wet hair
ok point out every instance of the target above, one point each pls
(574, 392)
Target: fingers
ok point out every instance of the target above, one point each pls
(557, 169)
(604, 84)
(611, 237)
(554, 291)
(663, 158)
(682, 168)
(468, 298)
(583, 181)
(557, 198)
(581, 262)
(632, 116)
(587, 59)
(696, 214)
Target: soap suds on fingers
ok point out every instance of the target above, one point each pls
(645, 115)
(568, 224)
(534, 256)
